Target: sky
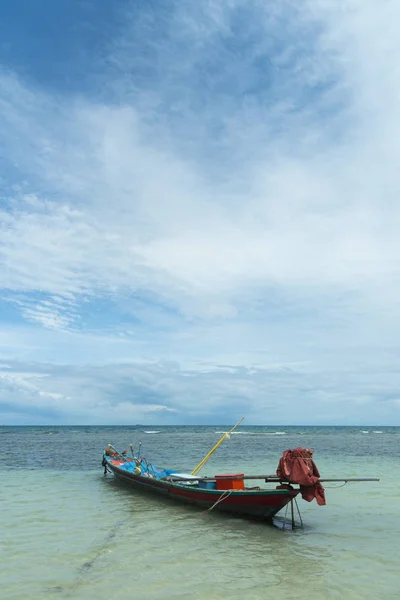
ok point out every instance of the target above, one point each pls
(199, 212)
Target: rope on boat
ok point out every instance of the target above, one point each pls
(223, 497)
(147, 465)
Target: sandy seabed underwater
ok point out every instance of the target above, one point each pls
(69, 532)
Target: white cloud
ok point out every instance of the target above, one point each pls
(258, 203)
(157, 392)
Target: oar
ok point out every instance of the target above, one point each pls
(205, 459)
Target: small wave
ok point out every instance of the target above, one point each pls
(151, 431)
(365, 431)
(252, 432)
(378, 431)
(238, 433)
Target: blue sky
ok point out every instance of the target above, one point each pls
(199, 212)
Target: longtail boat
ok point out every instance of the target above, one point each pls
(203, 492)
(296, 474)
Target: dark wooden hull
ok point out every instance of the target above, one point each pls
(261, 504)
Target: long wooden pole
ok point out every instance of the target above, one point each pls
(205, 459)
(271, 478)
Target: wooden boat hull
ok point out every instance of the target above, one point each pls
(256, 503)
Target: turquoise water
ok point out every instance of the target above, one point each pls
(69, 532)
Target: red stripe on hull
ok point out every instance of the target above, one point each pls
(261, 504)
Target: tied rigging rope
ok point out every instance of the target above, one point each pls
(223, 497)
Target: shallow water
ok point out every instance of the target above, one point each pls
(69, 532)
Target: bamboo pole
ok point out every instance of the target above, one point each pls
(205, 459)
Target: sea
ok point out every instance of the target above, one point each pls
(69, 531)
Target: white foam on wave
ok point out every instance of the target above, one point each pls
(378, 432)
(153, 431)
(252, 432)
(237, 432)
(365, 431)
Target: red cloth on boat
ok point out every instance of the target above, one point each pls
(297, 466)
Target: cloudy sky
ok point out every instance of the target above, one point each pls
(199, 212)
